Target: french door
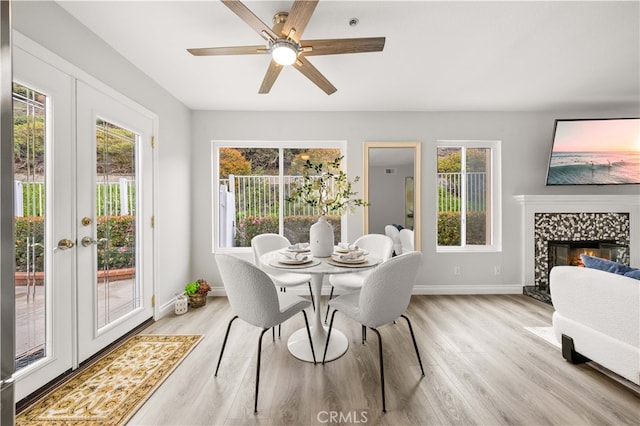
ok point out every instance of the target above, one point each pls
(83, 218)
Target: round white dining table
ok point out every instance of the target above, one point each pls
(298, 342)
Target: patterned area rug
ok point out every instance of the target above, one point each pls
(111, 390)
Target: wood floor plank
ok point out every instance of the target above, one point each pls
(481, 367)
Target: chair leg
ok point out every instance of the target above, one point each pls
(327, 314)
(415, 345)
(384, 407)
(224, 343)
(364, 334)
(313, 302)
(306, 322)
(326, 345)
(255, 406)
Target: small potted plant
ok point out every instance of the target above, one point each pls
(197, 292)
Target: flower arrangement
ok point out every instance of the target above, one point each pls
(325, 186)
(199, 286)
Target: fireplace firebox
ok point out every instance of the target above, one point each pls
(563, 253)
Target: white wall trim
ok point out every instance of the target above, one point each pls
(572, 201)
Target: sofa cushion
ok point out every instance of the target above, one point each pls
(605, 265)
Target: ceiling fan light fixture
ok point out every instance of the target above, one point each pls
(284, 52)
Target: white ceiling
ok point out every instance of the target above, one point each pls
(439, 56)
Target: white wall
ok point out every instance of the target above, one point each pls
(386, 196)
(526, 140)
(53, 28)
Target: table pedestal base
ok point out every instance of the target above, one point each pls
(299, 347)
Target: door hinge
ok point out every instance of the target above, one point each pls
(153, 141)
(153, 221)
(153, 301)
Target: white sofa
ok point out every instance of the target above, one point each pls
(599, 313)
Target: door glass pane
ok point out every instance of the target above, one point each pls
(299, 217)
(449, 196)
(478, 226)
(29, 221)
(117, 283)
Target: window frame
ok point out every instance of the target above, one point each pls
(273, 144)
(494, 201)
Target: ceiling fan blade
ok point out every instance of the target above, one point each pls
(342, 45)
(270, 77)
(231, 50)
(298, 18)
(252, 20)
(312, 73)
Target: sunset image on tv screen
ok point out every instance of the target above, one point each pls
(595, 152)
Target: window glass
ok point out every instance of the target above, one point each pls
(254, 184)
(467, 195)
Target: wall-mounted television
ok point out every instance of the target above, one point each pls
(595, 152)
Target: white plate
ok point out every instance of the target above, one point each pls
(288, 261)
(358, 260)
(300, 250)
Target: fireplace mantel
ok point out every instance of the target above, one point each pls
(574, 201)
(532, 204)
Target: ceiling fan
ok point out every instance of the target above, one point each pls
(285, 46)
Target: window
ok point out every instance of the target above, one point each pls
(468, 196)
(253, 181)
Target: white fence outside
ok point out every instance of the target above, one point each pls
(258, 195)
(450, 185)
(113, 198)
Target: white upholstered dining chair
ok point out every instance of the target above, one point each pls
(264, 243)
(406, 239)
(393, 233)
(378, 245)
(254, 299)
(384, 297)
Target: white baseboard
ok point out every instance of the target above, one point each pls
(420, 289)
(468, 289)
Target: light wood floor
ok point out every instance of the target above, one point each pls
(481, 365)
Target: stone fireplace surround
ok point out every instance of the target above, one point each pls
(577, 217)
(573, 227)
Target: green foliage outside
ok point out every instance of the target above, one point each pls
(296, 228)
(25, 227)
(117, 253)
(449, 228)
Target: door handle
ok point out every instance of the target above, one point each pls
(87, 241)
(65, 244)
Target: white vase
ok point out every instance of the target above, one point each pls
(321, 238)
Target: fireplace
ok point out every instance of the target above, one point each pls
(560, 238)
(563, 253)
(568, 252)
(574, 217)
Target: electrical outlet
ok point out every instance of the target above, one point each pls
(457, 270)
(497, 270)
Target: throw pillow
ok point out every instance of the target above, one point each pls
(605, 265)
(633, 274)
